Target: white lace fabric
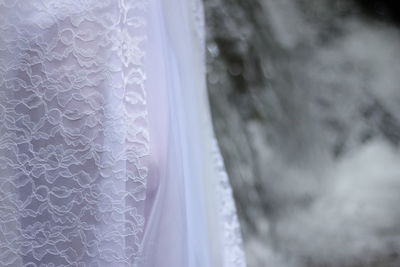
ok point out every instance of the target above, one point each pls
(81, 183)
(73, 135)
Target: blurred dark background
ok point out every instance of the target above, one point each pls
(384, 10)
(306, 103)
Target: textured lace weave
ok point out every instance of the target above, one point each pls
(231, 239)
(74, 141)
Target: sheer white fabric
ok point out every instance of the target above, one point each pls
(107, 156)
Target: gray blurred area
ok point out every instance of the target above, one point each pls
(305, 96)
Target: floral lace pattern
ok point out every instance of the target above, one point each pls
(74, 142)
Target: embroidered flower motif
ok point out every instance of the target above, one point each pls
(128, 48)
(53, 157)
